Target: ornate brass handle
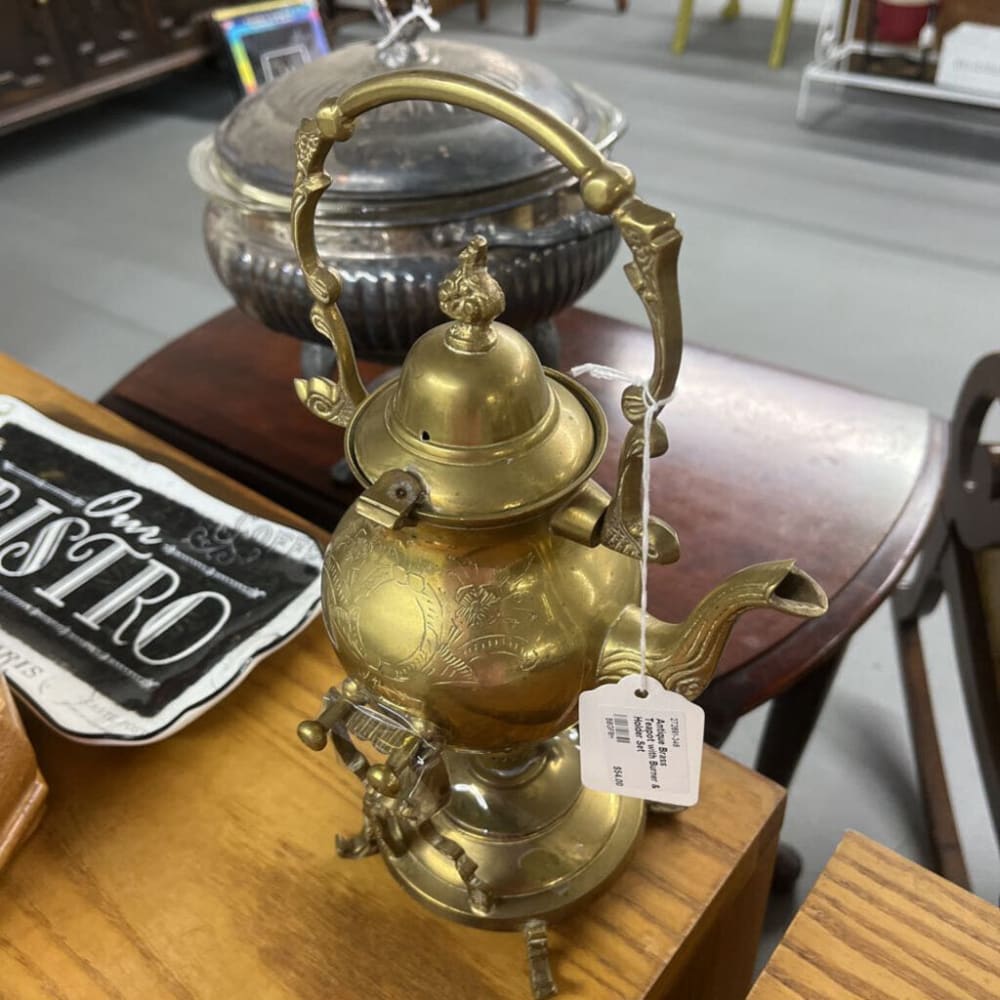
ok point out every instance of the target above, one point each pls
(607, 188)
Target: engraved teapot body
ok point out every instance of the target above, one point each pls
(490, 635)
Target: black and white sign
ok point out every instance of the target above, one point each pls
(130, 601)
(647, 746)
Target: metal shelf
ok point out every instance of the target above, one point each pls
(832, 58)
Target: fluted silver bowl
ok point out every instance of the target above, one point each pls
(413, 185)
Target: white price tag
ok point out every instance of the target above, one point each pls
(646, 747)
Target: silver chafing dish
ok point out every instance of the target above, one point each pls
(414, 185)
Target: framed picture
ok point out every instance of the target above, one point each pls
(267, 39)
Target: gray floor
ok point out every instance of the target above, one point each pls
(865, 250)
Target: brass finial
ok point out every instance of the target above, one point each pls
(472, 297)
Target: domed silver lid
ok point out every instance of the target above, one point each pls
(410, 150)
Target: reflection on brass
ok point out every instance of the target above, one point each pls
(483, 580)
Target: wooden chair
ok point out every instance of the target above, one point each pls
(531, 10)
(779, 43)
(961, 559)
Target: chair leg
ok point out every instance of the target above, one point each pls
(484, 10)
(531, 16)
(717, 729)
(941, 825)
(622, 6)
(782, 29)
(975, 655)
(682, 27)
(731, 11)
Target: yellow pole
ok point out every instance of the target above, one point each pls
(682, 27)
(781, 31)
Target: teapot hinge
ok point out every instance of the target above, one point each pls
(390, 500)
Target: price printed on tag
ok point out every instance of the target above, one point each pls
(645, 747)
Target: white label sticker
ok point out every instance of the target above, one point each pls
(646, 747)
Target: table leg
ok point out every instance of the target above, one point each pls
(790, 722)
(791, 719)
(717, 729)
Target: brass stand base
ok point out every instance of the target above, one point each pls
(541, 843)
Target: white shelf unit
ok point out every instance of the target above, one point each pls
(832, 59)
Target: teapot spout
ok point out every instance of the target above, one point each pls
(683, 657)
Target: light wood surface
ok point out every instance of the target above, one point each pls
(203, 866)
(878, 926)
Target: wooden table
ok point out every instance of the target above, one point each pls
(203, 866)
(763, 464)
(878, 926)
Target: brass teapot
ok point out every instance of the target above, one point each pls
(483, 580)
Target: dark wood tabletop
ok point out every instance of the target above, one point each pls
(763, 464)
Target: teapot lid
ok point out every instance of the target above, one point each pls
(491, 434)
(409, 150)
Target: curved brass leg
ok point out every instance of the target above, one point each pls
(536, 937)
(480, 895)
(361, 845)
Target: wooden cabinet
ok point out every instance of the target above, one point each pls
(102, 36)
(955, 12)
(180, 23)
(59, 54)
(31, 62)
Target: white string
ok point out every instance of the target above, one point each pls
(609, 374)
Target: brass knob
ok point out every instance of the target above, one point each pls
(312, 734)
(384, 780)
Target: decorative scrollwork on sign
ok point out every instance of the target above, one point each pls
(218, 545)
